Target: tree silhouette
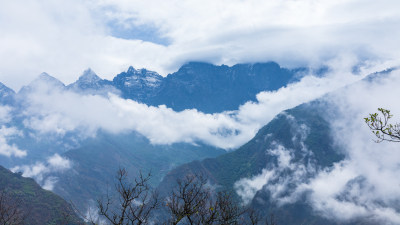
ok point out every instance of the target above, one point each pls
(192, 202)
(136, 201)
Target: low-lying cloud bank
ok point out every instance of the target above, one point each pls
(56, 111)
(366, 183)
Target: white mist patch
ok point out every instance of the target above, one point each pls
(40, 170)
(6, 149)
(274, 180)
(57, 111)
(247, 188)
(7, 133)
(5, 114)
(49, 183)
(277, 177)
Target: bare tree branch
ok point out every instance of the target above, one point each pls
(136, 201)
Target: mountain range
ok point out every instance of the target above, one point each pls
(265, 173)
(202, 86)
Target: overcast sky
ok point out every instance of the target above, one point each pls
(65, 37)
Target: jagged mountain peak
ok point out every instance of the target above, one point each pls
(131, 69)
(45, 77)
(143, 72)
(5, 89)
(90, 83)
(139, 78)
(6, 94)
(43, 81)
(89, 76)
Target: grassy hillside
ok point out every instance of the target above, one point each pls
(39, 206)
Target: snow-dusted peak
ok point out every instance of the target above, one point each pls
(90, 83)
(139, 78)
(131, 70)
(46, 78)
(89, 76)
(140, 72)
(44, 82)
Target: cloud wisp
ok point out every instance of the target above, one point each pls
(7, 133)
(7, 149)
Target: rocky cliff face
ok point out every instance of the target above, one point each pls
(139, 85)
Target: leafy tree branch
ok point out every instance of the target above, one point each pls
(381, 128)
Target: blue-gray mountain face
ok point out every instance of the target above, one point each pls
(203, 86)
(6, 95)
(90, 83)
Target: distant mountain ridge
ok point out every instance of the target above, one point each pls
(195, 84)
(202, 86)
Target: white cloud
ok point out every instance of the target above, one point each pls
(49, 183)
(67, 37)
(40, 170)
(247, 188)
(5, 114)
(59, 163)
(7, 149)
(277, 177)
(8, 133)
